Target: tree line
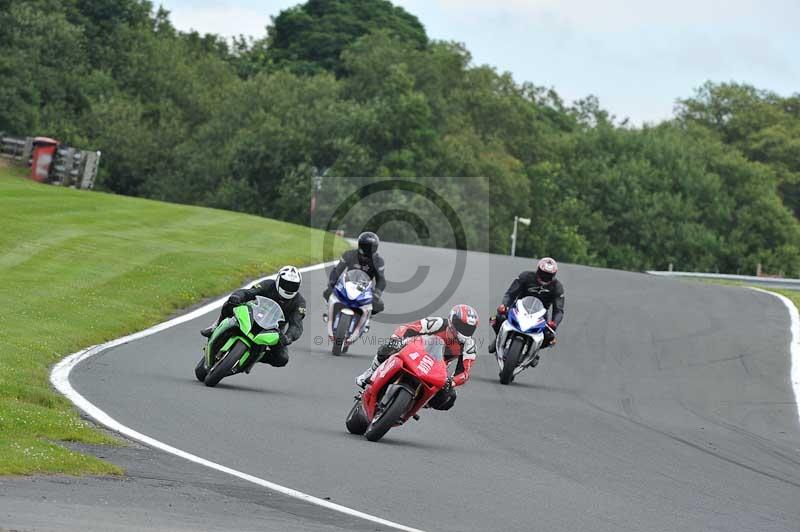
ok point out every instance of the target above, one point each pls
(342, 92)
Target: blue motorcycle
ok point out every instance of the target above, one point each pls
(520, 338)
(349, 310)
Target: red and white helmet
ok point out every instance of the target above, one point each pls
(546, 270)
(463, 322)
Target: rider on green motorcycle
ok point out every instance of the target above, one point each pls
(284, 290)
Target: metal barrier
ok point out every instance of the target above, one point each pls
(16, 148)
(71, 167)
(766, 282)
(75, 168)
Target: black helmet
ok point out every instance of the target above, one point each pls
(368, 243)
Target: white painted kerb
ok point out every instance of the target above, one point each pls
(60, 379)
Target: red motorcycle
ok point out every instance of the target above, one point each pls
(400, 386)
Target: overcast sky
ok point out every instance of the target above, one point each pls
(636, 56)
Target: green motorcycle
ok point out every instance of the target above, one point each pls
(240, 341)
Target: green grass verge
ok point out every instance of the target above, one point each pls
(79, 268)
(794, 295)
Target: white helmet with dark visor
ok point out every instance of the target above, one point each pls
(288, 282)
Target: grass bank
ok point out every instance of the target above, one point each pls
(794, 295)
(79, 268)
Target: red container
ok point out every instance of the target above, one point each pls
(44, 151)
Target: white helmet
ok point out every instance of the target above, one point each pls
(288, 282)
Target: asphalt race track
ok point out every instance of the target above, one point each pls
(665, 406)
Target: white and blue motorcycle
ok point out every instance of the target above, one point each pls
(520, 338)
(349, 309)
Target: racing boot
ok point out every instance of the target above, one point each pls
(208, 331)
(493, 346)
(365, 378)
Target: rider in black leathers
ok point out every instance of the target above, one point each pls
(285, 292)
(366, 259)
(541, 284)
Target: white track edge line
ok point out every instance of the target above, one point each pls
(59, 377)
(794, 343)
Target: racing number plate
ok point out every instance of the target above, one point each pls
(426, 364)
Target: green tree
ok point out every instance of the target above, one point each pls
(41, 66)
(354, 88)
(311, 37)
(762, 125)
(110, 27)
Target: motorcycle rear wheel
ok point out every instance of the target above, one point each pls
(225, 367)
(200, 370)
(386, 419)
(513, 356)
(357, 421)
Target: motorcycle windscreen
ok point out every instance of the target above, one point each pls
(426, 355)
(267, 313)
(530, 304)
(529, 315)
(354, 286)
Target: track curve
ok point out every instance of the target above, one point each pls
(665, 406)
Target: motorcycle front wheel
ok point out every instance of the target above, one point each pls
(512, 358)
(225, 366)
(340, 335)
(391, 414)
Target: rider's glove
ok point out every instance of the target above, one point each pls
(389, 348)
(235, 299)
(501, 310)
(550, 333)
(384, 352)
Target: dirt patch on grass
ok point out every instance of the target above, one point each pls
(11, 163)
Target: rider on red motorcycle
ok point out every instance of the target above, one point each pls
(456, 332)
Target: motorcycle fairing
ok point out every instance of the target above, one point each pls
(267, 338)
(242, 313)
(241, 319)
(528, 315)
(219, 333)
(393, 371)
(424, 365)
(527, 321)
(354, 298)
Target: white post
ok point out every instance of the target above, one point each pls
(514, 237)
